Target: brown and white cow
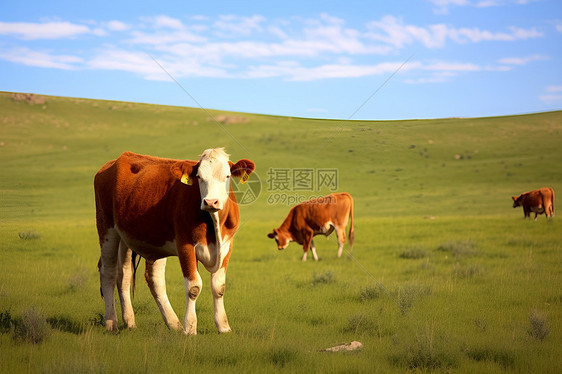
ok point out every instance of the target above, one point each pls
(537, 201)
(318, 216)
(161, 207)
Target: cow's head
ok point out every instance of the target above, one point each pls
(281, 238)
(212, 173)
(517, 200)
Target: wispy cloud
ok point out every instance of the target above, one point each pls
(392, 30)
(553, 95)
(28, 57)
(48, 30)
(443, 6)
(253, 47)
(522, 60)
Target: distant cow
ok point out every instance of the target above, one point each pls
(318, 216)
(161, 207)
(536, 201)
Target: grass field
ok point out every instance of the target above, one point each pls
(445, 276)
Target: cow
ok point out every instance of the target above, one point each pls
(320, 216)
(160, 207)
(537, 201)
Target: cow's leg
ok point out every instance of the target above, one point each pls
(193, 284)
(155, 275)
(313, 249)
(125, 271)
(108, 276)
(218, 282)
(307, 242)
(192, 291)
(340, 233)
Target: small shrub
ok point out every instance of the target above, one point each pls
(481, 325)
(65, 324)
(97, 320)
(324, 278)
(370, 293)
(459, 248)
(6, 322)
(500, 356)
(413, 253)
(407, 295)
(538, 326)
(29, 235)
(465, 272)
(359, 323)
(281, 357)
(32, 328)
(78, 280)
(427, 353)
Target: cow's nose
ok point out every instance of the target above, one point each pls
(212, 204)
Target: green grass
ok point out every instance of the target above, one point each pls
(444, 275)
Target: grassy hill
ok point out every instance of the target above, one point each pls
(445, 275)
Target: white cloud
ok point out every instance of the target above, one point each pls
(28, 57)
(231, 25)
(554, 89)
(452, 66)
(488, 3)
(392, 30)
(164, 38)
(165, 22)
(439, 77)
(294, 71)
(254, 47)
(476, 35)
(551, 99)
(553, 95)
(49, 30)
(522, 60)
(117, 26)
(442, 6)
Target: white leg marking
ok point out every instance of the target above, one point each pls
(156, 271)
(313, 248)
(304, 256)
(340, 232)
(124, 279)
(192, 290)
(218, 287)
(108, 277)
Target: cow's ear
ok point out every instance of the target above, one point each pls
(514, 198)
(271, 235)
(242, 168)
(184, 171)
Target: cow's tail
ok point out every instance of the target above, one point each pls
(99, 270)
(552, 192)
(351, 234)
(135, 266)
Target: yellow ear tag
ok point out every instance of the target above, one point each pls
(185, 179)
(244, 178)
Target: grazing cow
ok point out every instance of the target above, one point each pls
(536, 201)
(160, 207)
(314, 217)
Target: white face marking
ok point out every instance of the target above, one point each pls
(281, 245)
(214, 179)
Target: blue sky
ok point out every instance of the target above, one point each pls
(323, 59)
